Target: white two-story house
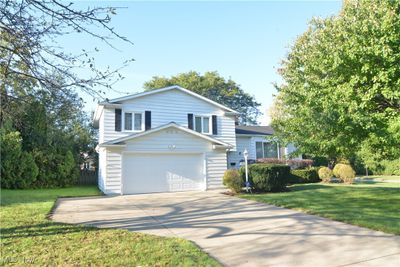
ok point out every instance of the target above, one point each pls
(168, 139)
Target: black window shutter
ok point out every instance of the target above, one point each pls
(190, 121)
(147, 120)
(214, 125)
(118, 119)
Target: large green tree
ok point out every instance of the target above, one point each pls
(341, 89)
(214, 87)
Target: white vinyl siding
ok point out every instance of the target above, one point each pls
(102, 169)
(234, 157)
(216, 167)
(168, 106)
(113, 172)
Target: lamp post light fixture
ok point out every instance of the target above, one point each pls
(246, 154)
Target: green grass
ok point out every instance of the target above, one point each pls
(382, 177)
(27, 236)
(375, 206)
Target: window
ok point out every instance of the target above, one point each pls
(197, 124)
(133, 121)
(266, 150)
(202, 124)
(138, 122)
(128, 121)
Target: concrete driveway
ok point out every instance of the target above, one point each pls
(237, 232)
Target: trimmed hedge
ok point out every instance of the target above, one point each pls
(325, 174)
(267, 177)
(344, 172)
(309, 175)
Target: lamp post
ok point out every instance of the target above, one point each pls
(246, 154)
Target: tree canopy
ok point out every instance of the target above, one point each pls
(341, 91)
(44, 132)
(29, 48)
(216, 88)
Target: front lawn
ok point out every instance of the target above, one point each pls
(381, 177)
(28, 237)
(374, 206)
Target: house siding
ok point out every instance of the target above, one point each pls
(242, 143)
(112, 183)
(168, 106)
(216, 166)
(102, 169)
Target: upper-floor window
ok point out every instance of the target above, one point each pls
(133, 121)
(266, 150)
(202, 124)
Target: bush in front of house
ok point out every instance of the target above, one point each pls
(267, 177)
(233, 180)
(293, 163)
(325, 174)
(308, 175)
(344, 172)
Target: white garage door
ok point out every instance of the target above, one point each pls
(147, 173)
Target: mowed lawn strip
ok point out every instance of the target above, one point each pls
(27, 236)
(382, 177)
(375, 206)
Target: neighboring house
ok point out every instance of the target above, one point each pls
(168, 139)
(257, 141)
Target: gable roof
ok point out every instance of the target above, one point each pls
(120, 141)
(254, 130)
(160, 90)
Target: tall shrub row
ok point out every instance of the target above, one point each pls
(42, 140)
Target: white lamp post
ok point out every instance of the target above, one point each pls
(246, 154)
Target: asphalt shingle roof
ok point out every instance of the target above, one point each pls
(262, 130)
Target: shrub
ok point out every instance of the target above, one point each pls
(267, 177)
(336, 170)
(344, 172)
(391, 167)
(309, 175)
(55, 169)
(325, 174)
(233, 180)
(18, 168)
(293, 163)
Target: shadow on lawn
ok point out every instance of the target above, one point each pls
(43, 229)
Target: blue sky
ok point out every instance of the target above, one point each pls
(241, 40)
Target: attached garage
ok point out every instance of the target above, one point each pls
(165, 159)
(162, 172)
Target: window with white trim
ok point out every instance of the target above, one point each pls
(133, 121)
(202, 124)
(266, 150)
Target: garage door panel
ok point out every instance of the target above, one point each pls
(147, 173)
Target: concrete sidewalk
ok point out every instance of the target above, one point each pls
(238, 232)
